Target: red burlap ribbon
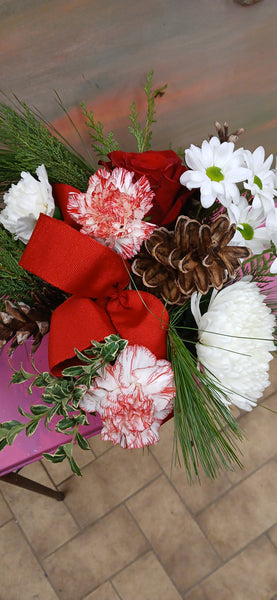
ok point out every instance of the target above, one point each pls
(96, 277)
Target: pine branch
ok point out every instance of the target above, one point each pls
(30, 143)
(206, 430)
(16, 284)
(144, 135)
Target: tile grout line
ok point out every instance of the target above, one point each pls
(236, 484)
(225, 562)
(193, 516)
(152, 549)
(90, 525)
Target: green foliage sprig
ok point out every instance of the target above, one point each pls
(101, 144)
(28, 143)
(205, 430)
(61, 397)
(144, 135)
(16, 284)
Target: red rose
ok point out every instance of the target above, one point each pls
(163, 170)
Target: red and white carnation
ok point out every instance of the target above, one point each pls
(133, 397)
(112, 210)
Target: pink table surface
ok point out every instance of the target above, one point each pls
(25, 450)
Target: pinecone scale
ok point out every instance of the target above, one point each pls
(193, 257)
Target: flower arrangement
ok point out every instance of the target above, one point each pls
(151, 273)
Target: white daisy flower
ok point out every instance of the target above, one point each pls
(271, 226)
(250, 222)
(261, 180)
(236, 341)
(216, 169)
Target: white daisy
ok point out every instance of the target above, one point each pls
(250, 222)
(216, 169)
(271, 226)
(236, 341)
(261, 180)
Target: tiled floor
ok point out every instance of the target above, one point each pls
(131, 530)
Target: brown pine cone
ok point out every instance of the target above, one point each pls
(152, 265)
(19, 322)
(193, 258)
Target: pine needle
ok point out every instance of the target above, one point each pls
(28, 143)
(206, 430)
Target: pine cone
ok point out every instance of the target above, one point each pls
(21, 322)
(193, 258)
(152, 265)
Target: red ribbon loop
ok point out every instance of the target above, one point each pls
(100, 305)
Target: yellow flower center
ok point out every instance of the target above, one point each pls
(246, 231)
(215, 174)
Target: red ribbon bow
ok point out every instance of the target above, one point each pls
(99, 305)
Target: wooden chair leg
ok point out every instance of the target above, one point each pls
(34, 486)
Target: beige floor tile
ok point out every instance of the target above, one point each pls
(259, 444)
(104, 592)
(98, 447)
(163, 450)
(251, 575)
(195, 496)
(46, 523)
(199, 495)
(107, 482)
(273, 378)
(95, 555)
(272, 533)
(5, 513)
(198, 593)
(146, 579)
(175, 537)
(244, 513)
(60, 471)
(21, 575)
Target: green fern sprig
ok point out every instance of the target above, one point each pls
(101, 145)
(144, 135)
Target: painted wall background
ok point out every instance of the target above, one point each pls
(217, 57)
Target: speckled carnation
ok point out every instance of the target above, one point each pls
(133, 397)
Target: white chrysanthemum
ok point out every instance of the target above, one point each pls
(261, 179)
(25, 201)
(216, 169)
(250, 222)
(236, 341)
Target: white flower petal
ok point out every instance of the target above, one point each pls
(235, 344)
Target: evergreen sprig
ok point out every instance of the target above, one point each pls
(61, 397)
(28, 143)
(100, 144)
(16, 284)
(144, 135)
(205, 430)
